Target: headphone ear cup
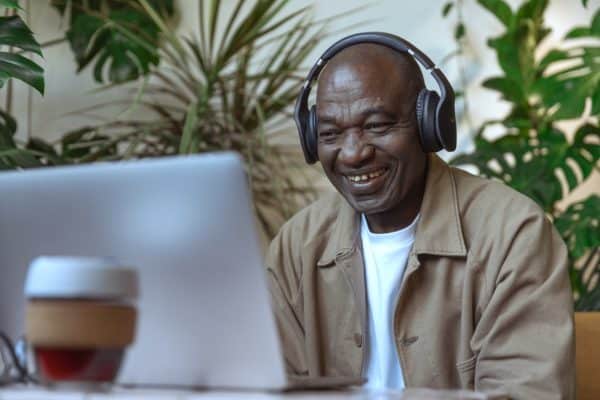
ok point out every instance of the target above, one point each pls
(311, 136)
(426, 107)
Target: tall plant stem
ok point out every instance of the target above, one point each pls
(53, 42)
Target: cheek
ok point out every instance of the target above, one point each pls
(327, 160)
(411, 160)
(403, 145)
(327, 152)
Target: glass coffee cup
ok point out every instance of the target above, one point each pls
(80, 317)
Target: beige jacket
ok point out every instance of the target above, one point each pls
(485, 302)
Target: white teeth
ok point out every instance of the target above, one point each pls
(366, 177)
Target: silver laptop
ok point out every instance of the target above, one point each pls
(187, 224)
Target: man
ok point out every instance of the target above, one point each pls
(416, 274)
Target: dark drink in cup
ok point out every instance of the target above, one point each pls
(80, 317)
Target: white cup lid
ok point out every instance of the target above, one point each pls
(80, 277)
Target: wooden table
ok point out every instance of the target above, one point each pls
(32, 393)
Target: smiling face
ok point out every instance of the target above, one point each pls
(368, 135)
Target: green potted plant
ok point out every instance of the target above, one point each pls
(537, 157)
(534, 155)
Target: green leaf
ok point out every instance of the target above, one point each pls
(19, 158)
(85, 145)
(8, 128)
(12, 4)
(583, 154)
(214, 12)
(507, 51)
(533, 171)
(19, 67)
(588, 137)
(584, 2)
(500, 9)
(552, 57)
(562, 93)
(596, 103)
(92, 38)
(189, 130)
(578, 32)
(515, 48)
(41, 146)
(447, 8)
(579, 225)
(586, 31)
(509, 89)
(589, 301)
(14, 32)
(595, 27)
(571, 86)
(118, 36)
(11, 156)
(459, 31)
(44, 152)
(532, 10)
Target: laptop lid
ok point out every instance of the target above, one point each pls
(187, 225)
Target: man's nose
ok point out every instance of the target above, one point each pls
(355, 148)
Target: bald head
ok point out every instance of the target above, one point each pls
(373, 66)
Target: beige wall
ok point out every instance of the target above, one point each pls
(418, 21)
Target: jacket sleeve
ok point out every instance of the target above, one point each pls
(524, 336)
(284, 285)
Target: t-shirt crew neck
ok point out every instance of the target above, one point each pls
(385, 256)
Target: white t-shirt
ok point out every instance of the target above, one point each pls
(385, 256)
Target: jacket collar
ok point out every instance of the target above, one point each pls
(439, 230)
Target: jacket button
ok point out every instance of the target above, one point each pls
(358, 339)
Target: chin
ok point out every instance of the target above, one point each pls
(371, 206)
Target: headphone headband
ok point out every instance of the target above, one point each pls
(385, 39)
(444, 112)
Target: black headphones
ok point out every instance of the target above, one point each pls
(435, 113)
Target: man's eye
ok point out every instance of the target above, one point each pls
(378, 127)
(329, 134)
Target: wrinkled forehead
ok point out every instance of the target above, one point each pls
(349, 80)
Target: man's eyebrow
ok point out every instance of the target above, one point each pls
(327, 120)
(365, 113)
(377, 110)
